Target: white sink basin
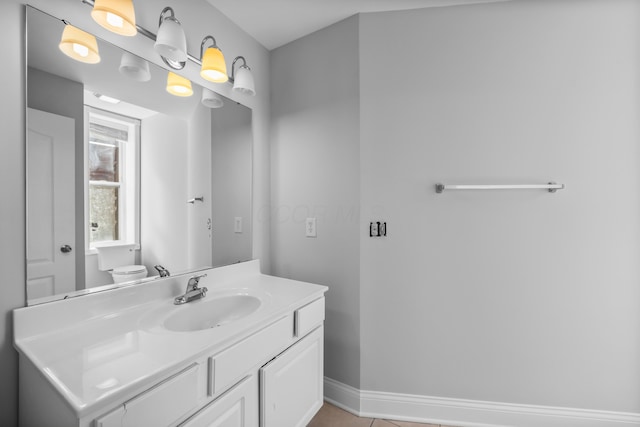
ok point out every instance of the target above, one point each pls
(212, 312)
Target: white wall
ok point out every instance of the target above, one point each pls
(200, 19)
(199, 184)
(315, 173)
(525, 296)
(230, 156)
(164, 211)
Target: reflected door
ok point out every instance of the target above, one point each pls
(50, 204)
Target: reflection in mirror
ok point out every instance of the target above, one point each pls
(124, 180)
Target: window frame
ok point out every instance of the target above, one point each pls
(129, 194)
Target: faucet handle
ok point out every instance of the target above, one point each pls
(193, 281)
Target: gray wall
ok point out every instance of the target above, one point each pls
(315, 173)
(57, 95)
(12, 209)
(516, 297)
(523, 297)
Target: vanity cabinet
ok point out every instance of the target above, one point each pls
(273, 378)
(270, 377)
(290, 392)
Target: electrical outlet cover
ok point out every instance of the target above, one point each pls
(310, 227)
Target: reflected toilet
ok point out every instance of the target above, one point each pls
(119, 261)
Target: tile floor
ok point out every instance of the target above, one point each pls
(332, 416)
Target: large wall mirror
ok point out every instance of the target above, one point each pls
(122, 174)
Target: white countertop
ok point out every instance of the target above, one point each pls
(97, 348)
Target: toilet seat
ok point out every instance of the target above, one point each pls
(129, 269)
(128, 273)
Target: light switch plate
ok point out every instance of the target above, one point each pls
(237, 224)
(310, 227)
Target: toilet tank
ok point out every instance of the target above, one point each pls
(112, 256)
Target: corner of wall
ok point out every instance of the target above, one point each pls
(12, 208)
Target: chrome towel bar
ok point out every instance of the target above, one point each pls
(552, 187)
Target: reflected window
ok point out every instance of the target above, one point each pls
(112, 177)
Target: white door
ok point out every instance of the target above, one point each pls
(291, 385)
(50, 204)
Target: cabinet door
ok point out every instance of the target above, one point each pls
(291, 385)
(237, 407)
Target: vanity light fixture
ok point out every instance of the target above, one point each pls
(243, 79)
(210, 99)
(213, 66)
(134, 67)
(117, 16)
(178, 85)
(79, 45)
(171, 42)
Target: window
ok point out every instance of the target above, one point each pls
(112, 185)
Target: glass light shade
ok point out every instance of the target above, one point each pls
(243, 81)
(117, 16)
(178, 85)
(134, 67)
(210, 99)
(214, 68)
(171, 41)
(79, 45)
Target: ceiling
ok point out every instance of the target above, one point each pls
(274, 23)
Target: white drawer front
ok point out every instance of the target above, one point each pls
(308, 317)
(165, 403)
(230, 365)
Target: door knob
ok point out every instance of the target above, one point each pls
(65, 249)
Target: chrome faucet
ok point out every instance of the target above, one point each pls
(192, 292)
(162, 271)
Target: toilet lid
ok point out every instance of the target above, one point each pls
(129, 269)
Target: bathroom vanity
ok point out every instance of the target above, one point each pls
(250, 353)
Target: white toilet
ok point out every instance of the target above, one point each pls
(118, 260)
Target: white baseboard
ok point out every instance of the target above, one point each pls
(342, 395)
(467, 413)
